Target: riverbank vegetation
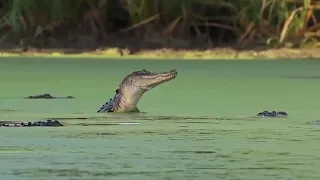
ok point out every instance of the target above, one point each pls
(134, 24)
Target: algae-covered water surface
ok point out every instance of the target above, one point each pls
(197, 126)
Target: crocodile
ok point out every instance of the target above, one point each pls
(272, 114)
(132, 88)
(47, 123)
(48, 96)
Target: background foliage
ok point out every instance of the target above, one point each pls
(272, 22)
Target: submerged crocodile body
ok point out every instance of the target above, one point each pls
(272, 114)
(47, 123)
(48, 96)
(132, 88)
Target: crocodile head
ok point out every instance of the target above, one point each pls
(145, 80)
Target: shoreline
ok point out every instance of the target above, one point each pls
(169, 54)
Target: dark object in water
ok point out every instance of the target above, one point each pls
(47, 123)
(272, 114)
(48, 96)
(316, 122)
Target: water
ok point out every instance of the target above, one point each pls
(193, 127)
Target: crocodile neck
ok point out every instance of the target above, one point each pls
(127, 99)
